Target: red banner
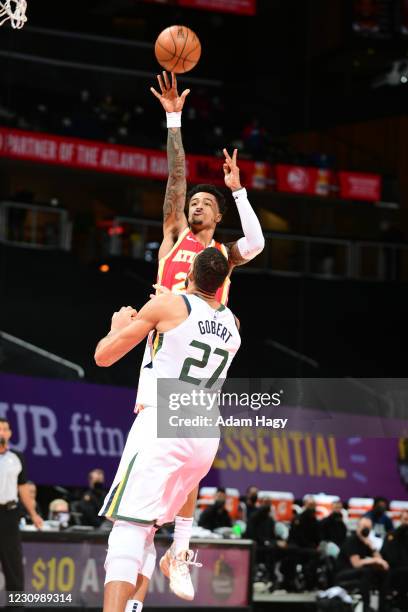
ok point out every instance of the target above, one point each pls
(303, 180)
(359, 186)
(149, 163)
(239, 7)
(104, 157)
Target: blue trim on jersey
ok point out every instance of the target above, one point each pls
(187, 303)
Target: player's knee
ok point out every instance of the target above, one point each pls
(125, 552)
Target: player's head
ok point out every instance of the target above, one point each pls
(208, 271)
(206, 206)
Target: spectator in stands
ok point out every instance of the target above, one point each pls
(250, 499)
(254, 137)
(360, 563)
(382, 524)
(395, 552)
(270, 548)
(216, 515)
(304, 539)
(58, 510)
(333, 527)
(92, 499)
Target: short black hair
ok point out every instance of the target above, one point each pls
(380, 499)
(4, 420)
(206, 188)
(221, 490)
(210, 270)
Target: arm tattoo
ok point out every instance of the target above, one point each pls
(234, 256)
(174, 200)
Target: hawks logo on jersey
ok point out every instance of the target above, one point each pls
(174, 267)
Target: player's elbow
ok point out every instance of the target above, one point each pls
(102, 360)
(260, 243)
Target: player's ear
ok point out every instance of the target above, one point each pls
(218, 217)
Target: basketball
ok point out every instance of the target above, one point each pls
(177, 49)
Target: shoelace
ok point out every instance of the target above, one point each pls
(191, 559)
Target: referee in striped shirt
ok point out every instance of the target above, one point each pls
(13, 484)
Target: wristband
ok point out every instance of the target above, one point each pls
(173, 120)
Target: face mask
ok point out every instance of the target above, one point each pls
(219, 504)
(61, 517)
(379, 511)
(3, 441)
(365, 532)
(253, 498)
(98, 486)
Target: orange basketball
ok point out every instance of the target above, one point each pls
(177, 49)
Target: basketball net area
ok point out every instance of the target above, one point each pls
(15, 11)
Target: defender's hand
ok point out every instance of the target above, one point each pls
(231, 171)
(122, 318)
(169, 97)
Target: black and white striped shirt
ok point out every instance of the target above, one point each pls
(12, 474)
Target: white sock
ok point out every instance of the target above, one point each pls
(182, 533)
(134, 605)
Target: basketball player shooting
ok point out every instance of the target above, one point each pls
(155, 474)
(184, 237)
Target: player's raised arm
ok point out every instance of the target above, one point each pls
(253, 241)
(174, 219)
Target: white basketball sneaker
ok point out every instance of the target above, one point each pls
(176, 569)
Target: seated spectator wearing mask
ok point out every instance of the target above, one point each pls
(395, 552)
(250, 499)
(359, 561)
(92, 499)
(216, 515)
(304, 539)
(333, 527)
(58, 510)
(382, 524)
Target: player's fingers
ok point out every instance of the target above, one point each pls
(166, 79)
(227, 155)
(226, 169)
(173, 80)
(155, 93)
(185, 94)
(234, 156)
(161, 85)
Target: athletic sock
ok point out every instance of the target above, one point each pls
(134, 605)
(182, 533)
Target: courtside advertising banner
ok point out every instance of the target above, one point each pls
(347, 437)
(76, 570)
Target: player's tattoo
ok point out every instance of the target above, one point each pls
(234, 256)
(175, 198)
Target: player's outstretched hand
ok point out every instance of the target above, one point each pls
(169, 96)
(122, 318)
(231, 170)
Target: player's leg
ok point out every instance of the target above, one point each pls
(124, 560)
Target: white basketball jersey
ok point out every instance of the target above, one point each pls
(200, 349)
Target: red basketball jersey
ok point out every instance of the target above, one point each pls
(174, 266)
